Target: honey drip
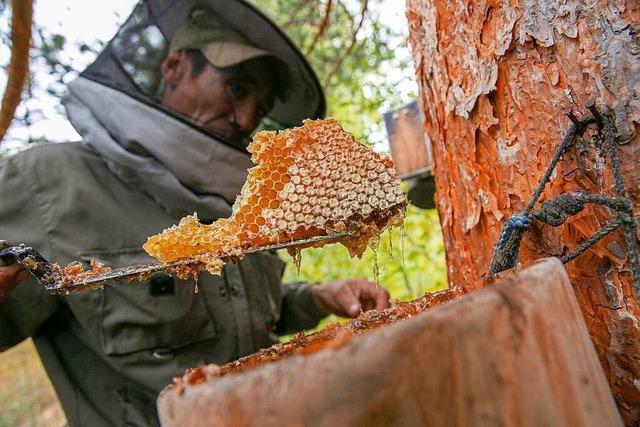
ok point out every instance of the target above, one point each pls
(297, 260)
(376, 269)
(403, 264)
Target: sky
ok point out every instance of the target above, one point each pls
(78, 20)
(92, 21)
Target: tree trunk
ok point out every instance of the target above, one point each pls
(18, 69)
(494, 80)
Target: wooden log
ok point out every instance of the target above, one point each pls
(514, 353)
(494, 80)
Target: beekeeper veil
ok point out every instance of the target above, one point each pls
(131, 61)
(115, 104)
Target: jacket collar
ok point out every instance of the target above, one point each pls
(183, 169)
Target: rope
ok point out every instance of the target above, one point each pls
(506, 252)
(555, 211)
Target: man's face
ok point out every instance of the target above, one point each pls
(230, 102)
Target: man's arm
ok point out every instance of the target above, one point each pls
(304, 305)
(348, 297)
(10, 274)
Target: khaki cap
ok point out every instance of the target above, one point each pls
(221, 45)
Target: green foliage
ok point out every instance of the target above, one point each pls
(352, 52)
(410, 260)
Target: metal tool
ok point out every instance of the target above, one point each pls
(54, 279)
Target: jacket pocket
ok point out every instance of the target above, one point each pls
(138, 407)
(133, 317)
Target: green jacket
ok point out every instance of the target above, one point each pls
(109, 352)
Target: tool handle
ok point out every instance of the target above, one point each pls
(6, 258)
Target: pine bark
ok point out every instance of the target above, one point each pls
(494, 80)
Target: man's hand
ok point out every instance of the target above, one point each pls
(347, 297)
(10, 277)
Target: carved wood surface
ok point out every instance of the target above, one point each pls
(494, 79)
(516, 353)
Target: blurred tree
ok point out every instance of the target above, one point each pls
(18, 68)
(52, 61)
(352, 51)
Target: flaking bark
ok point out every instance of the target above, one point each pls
(494, 79)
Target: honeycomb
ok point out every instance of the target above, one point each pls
(309, 181)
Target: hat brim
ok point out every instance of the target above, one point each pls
(227, 54)
(306, 98)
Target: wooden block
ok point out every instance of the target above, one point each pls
(516, 353)
(410, 148)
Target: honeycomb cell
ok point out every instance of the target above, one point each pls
(308, 181)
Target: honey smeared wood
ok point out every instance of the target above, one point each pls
(332, 336)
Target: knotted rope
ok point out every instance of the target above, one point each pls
(555, 211)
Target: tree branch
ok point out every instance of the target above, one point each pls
(301, 5)
(18, 69)
(322, 28)
(354, 33)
